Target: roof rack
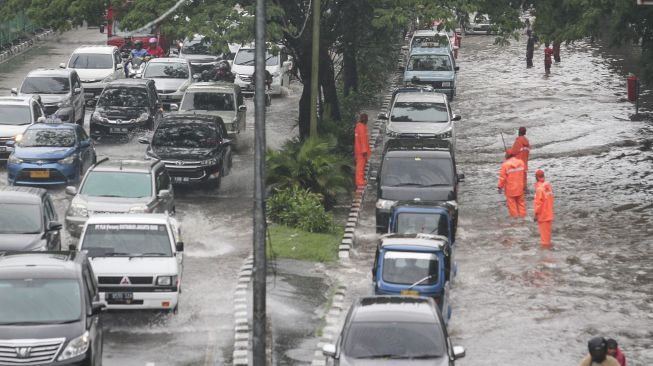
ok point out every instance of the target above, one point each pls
(418, 144)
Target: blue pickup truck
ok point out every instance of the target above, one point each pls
(437, 218)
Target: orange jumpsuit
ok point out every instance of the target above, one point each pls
(511, 180)
(361, 151)
(521, 147)
(543, 205)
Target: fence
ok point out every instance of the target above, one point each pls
(15, 30)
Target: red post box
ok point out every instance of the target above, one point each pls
(632, 87)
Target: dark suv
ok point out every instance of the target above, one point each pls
(28, 220)
(126, 105)
(49, 310)
(194, 148)
(415, 170)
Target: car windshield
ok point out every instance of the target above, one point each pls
(166, 70)
(388, 339)
(46, 85)
(196, 46)
(134, 97)
(91, 61)
(186, 135)
(430, 63)
(104, 240)
(425, 223)
(435, 41)
(245, 57)
(39, 301)
(20, 218)
(419, 112)
(208, 101)
(15, 115)
(117, 184)
(416, 171)
(51, 137)
(407, 268)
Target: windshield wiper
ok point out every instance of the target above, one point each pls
(107, 195)
(420, 281)
(153, 255)
(388, 355)
(116, 254)
(407, 185)
(435, 185)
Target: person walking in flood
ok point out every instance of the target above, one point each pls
(543, 208)
(530, 48)
(511, 182)
(556, 51)
(522, 147)
(598, 354)
(361, 149)
(548, 52)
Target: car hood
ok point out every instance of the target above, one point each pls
(249, 69)
(169, 84)
(42, 331)
(12, 130)
(134, 266)
(52, 98)
(45, 153)
(349, 361)
(429, 75)
(200, 58)
(419, 127)
(125, 113)
(437, 193)
(21, 241)
(93, 75)
(110, 204)
(181, 153)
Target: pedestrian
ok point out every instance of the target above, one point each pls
(522, 147)
(361, 149)
(598, 354)
(548, 52)
(530, 48)
(615, 351)
(511, 182)
(543, 208)
(556, 51)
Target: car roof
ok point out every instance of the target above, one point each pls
(130, 82)
(162, 219)
(411, 146)
(131, 166)
(418, 96)
(412, 240)
(213, 86)
(394, 309)
(43, 72)
(20, 265)
(13, 194)
(52, 125)
(95, 49)
(424, 32)
(168, 60)
(430, 51)
(18, 100)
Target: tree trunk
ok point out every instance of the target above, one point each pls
(328, 83)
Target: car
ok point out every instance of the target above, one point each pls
(426, 38)
(171, 76)
(216, 99)
(435, 67)
(278, 63)
(437, 218)
(137, 259)
(16, 114)
(194, 148)
(96, 66)
(414, 170)
(61, 93)
(119, 186)
(479, 24)
(394, 330)
(197, 50)
(28, 220)
(49, 310)
(420, 114)
(50, 154)
(124, 106)
(414, 265)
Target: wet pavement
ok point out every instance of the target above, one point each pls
(216, 228)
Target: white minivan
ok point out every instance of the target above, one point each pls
(137, 259)
(277, 63)
(96, 66)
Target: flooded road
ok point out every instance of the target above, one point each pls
(514, 303)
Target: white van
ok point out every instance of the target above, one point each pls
(136, 258)
(278, 64)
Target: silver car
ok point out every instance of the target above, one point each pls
(216, 99)
(120, 186)
(171, 76)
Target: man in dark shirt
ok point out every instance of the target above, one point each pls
(530, 48)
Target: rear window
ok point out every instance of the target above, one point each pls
(416, 171)
(208, 101)
(91, 61)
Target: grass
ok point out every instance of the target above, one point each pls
(294, 243)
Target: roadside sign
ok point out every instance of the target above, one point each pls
(644, 2)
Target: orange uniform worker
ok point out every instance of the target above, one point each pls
(522, 147)
(511, 181)
(543, 206)
(361, 148)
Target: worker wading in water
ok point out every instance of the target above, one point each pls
(522, 147)
(361, 149)
(543, 207)
(511, 182)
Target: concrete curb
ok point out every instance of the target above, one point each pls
(22, 47)
(241, 314)
(337, 307)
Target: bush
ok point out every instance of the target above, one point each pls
(299, 208)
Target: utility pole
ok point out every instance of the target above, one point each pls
(315, 67)
(260, 265)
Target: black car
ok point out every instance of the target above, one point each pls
(28, 220)
(394, 330)
(415, 170)
(49, 310)
(194, 148)
(126, 105)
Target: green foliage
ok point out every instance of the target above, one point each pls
(313, 164)
(299, 208)
(286, 242)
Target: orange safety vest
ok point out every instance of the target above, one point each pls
(511, 177)
(543, 202)
(521, 148)
(361, 142)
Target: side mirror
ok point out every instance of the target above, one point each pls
(10, 143)
(40, 120)
(455, 117)
(456, 68)
(458, 352)
(164, 193)
(179, 246)
(242, 108)
(14, 91)
(461, 177)
(71, 190)
(54, 226)
(225, 142)
(329, 350)
(143, 140)
(97, 308)
(77, 91)
(174, 107)
(85, 143)
(383, 116)
(62, 65)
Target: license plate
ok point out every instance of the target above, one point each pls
(120, 296)
(118, 130)
(180, 179)
(39, 174)
(409, 293)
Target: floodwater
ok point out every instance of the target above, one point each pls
(513, 302)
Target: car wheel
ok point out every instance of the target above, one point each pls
(215, 183)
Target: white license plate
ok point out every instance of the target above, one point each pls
(120, 296)
(119, 130)
(180, 179)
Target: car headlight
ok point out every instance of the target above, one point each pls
(138, 209)
(446, 84)
(76, 347)
(209, 162)
(382, 204)
(18, 138)
(166, 280)
(446, 135)
(391, 133)
(143, 117)
(14, 160)
(67, 160)
(77, 209)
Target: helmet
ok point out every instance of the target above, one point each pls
(598, 349)
(153, 40)
(138, 43)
